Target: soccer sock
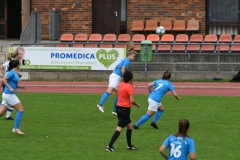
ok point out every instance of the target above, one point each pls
(115, 104)
(18, 119)
(9, 112)
(158, 114)
(143, 119)
(114, 138)
(129, 136)
(104, 98)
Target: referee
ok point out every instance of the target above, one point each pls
(124, 104)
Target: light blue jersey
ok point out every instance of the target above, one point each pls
(124, 62)
(12, 80)
(179, 148)
(161, 87)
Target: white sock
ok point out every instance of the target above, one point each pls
(9, 112)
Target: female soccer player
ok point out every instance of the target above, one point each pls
(124, 104)
(161, 87)
(115, 78)
(10, 80)
(17, 54)
(179, 144)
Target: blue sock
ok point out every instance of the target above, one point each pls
(104, 98)
(158, 114)
(143, 119)
(115, 104)
(18, 119)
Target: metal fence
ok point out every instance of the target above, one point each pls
(184, 60)
(32, 30)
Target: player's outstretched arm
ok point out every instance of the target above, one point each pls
(176, 95)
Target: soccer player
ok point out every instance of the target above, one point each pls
(115, 78)
(161, 87)
(17, 54)
(10, 80)
(124, 104)
(179, 144)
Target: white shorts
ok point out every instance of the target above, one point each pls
(114, 80)
(152, 105)
(9, 100)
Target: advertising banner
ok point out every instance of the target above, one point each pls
(63, 58)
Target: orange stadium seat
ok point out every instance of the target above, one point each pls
(224, 38)
(179, 25)
(195, 38)
(181, 38)
(166, 38)
(167, 24)
(137, 25)
(151, 25)
(66, 37)
(108, 38)
(137, 38)
(154, 38)
(210, 38)
(91, 45)
(192, 25)
(80, 37)
(95, 37)
(236, 47)
(123, 38)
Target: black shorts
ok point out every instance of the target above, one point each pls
(123, 116)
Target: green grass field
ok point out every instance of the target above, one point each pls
(70, 126)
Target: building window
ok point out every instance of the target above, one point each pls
(222, 10)
(222, 17)
(123, 10)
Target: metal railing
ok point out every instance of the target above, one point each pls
(32, 30)
(216, 54)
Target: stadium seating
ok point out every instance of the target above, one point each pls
(195, 38)
(123, 38)
(108, 38)
(80, 37)
(66, 37)
(94, 38)
(224, 38)
(166, 38)
(153, 38)
(192, 25)
(179, 25)
(210, 38)
(151, 25)
(137, 38)
(180, 38)
(167, 24)
(236, 48)
(137, 25)
(91, 45)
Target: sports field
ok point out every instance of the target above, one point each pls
(70, 126)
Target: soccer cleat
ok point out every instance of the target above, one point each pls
(17, 130)
(135, 127)
(114, 113)
(100, 108)
(109, 149)
(154, 125)
(9, 118)
(132, 147)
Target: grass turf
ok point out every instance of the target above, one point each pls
(70, 126)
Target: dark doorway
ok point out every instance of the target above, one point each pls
(105, 16)
(14, 23)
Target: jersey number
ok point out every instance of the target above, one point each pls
(159, 86)
(175, 151)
